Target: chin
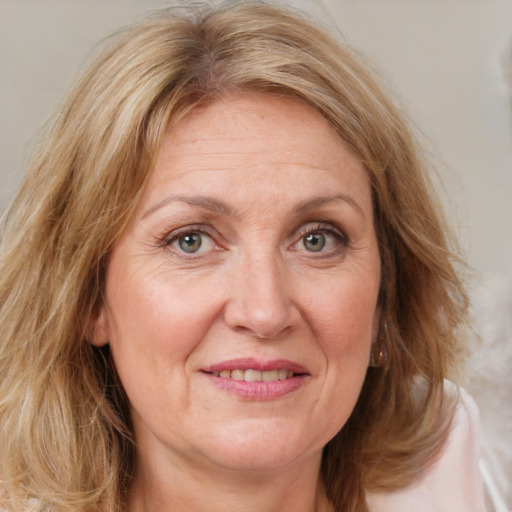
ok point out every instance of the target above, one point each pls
(261, 446)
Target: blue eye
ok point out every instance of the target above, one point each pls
(314, 242)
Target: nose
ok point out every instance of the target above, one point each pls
(260, 303)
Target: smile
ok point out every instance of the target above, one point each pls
(254, 379)
(255, 375)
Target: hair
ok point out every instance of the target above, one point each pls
(65, 429)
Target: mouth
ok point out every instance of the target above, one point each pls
(251, 375)
(255, 379)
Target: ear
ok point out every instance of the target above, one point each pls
(99, 329)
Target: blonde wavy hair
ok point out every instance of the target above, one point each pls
(65, 432)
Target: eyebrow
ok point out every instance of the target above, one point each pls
(311, 204)
(206, 202)
(222, 208)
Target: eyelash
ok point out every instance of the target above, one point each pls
(326, 229)
(201, 229)
(175, 235)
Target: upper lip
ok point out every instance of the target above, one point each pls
(256, 364)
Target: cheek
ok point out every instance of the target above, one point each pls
(344, 323)
(345, 317)
(155, 308)
(154, 334)
(153, 330)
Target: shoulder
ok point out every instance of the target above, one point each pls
(453, 482)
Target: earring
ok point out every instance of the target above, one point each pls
(378, 355)
(379, 352)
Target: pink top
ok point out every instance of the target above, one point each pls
(453, 483)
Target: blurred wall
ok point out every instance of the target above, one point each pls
(447, 59)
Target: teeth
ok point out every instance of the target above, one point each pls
(269, 376)
(255, 375)
(252, 375)
(282, 374)
(238, 374)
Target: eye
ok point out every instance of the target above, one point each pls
(323, 239)
(190, 242)
(314, 242)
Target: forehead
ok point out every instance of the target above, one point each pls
(264, 125)
(250, 131)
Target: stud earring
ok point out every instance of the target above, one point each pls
(379, 353)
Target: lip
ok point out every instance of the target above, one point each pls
(259, 391)
(255, 364)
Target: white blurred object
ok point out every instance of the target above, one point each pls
(490, 384)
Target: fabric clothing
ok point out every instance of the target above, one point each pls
(453, 483)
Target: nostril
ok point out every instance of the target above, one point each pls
(259, 326)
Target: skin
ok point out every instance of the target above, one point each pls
(274, 173)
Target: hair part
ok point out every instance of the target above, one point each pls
(66, 434)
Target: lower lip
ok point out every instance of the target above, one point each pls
(258, 390)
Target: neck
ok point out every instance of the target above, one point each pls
(200, 489)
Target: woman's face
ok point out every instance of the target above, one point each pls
(240, 302)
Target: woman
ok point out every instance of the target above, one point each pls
(226, 284)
